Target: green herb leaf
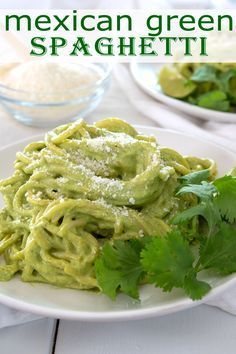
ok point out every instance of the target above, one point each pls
(119, 268)
(226, 198)
(206, 208)
(205, 73)
(195, 288)
(225, 80)
(205, 191)
(195, 177)
(216, 100)
(108, 279)
(219, 251)
(167, 260)
(208, 211)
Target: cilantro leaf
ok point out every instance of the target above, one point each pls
(167, 260)
(205, 191)
(219, 250)
(119, 268)
(195, 177)
(205, 73)
(188, 214)
(215, 88)
(216, 100)
(195, 288)
(205, 209)
(225, 80)
(108, 279)
(226, 198)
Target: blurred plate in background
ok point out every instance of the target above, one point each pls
(145, 75)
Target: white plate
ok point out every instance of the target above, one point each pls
(145, 75)
(84, 305)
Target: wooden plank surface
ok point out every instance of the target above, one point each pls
(34, 337)
(204, 330)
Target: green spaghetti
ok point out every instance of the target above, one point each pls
(83, 186)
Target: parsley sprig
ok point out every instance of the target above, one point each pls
(169, 262)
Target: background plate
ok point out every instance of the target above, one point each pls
(84, 305)
(145, 75)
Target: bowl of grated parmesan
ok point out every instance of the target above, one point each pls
(45, 93)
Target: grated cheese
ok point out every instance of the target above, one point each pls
(47, 81)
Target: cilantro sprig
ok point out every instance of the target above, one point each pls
(169, 262)
(226, 198)
(216, 88)
(217, 200)
(119, 268)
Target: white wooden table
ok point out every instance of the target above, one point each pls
(202, 330)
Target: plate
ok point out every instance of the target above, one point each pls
(50, 301)
(145, 75)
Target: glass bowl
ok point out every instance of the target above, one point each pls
(77, 103)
